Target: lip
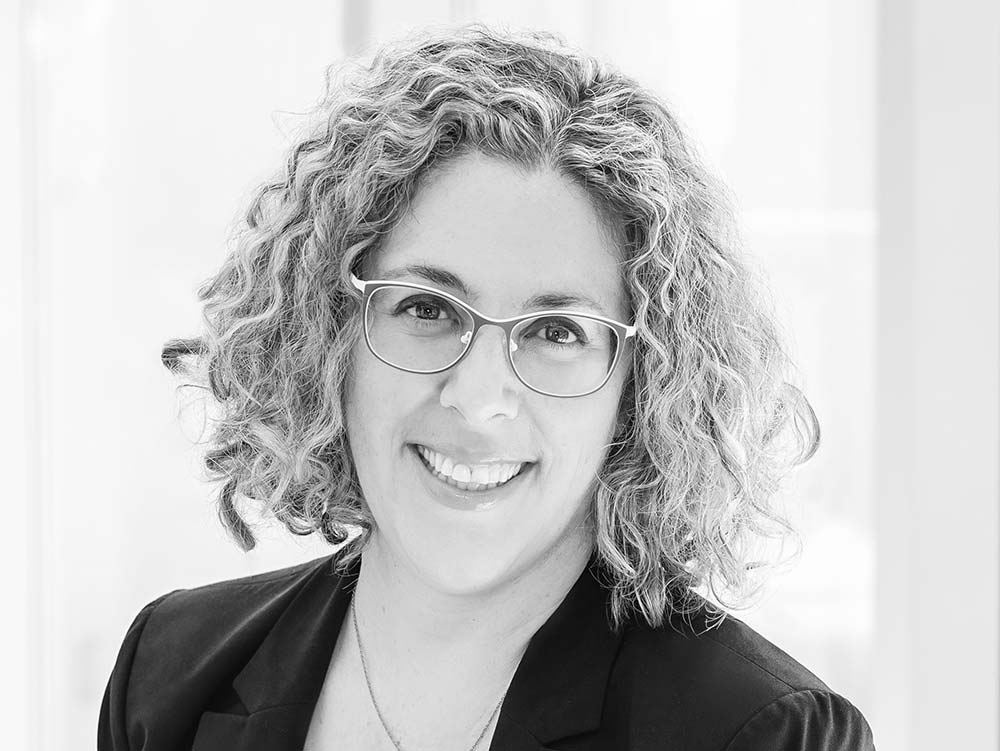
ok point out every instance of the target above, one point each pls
(465, 500)
(465, 455)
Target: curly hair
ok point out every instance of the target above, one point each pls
(707, 425)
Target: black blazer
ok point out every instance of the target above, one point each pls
(239, 665)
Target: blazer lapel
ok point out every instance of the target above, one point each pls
(558, 689)
(275, 729)
(510, 736)
(276, 691)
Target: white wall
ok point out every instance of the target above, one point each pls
(18, 440)
(142, 127)
(938, 344)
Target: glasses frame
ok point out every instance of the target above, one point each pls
(369, 288)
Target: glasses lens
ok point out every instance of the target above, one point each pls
(564, 355)
(414, 329)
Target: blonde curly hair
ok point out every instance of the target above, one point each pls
(707, 422)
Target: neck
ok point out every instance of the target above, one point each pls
(408, 621)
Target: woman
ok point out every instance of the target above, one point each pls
(491, 321)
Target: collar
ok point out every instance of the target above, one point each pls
(557, 691)
(291, 663)
(280, 683)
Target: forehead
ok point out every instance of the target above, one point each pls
(508, 234)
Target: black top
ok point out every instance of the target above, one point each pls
(239, 665)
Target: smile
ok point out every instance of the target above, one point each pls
(469, 477)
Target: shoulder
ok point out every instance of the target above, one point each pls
(233, 615)
(189, 616)
(216, 604)
(745, 692)
(184, 645)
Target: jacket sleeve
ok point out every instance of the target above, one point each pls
(805, 721)
(112, 724)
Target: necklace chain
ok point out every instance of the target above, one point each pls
(378, 710)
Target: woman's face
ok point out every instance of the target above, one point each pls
(507, 236)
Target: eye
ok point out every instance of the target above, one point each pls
(556, 331)
(558, 334)
(427, 309)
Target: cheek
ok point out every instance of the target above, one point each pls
(580, 441)
(380, 402)
(369, 407)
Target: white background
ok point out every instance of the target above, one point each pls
(860, 140)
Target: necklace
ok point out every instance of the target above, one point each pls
(378, 711)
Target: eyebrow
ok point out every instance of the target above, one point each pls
(433, 274)
(550, 300)
(444, 278)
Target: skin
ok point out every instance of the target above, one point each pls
(450, 593)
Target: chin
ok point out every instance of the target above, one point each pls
(456, 563)
(466, 569)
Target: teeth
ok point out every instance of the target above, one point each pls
(476, 477)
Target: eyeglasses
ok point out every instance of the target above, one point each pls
(420, 329)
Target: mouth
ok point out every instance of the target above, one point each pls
(471, 478)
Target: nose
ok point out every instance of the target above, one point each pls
(483, 386)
